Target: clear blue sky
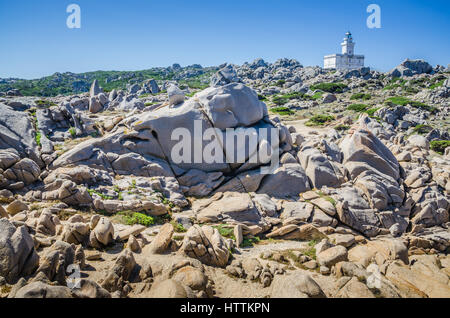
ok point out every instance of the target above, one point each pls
(139, 34)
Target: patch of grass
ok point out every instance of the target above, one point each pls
(329, 87)
(262, 97)
(280, 83)
(422, 129)
(284, 111)
(319, 120)
(362, 96)
(44, 103)
(342, 127)
(225, 231)
(133, 185)
(358, 107)
(317, 95)
(279, 100)
(439, 146)
(250, 241)
(395, 83)
(437, 84)
(403, 101)
(398, 100)
(103, 196)
(310, 252)
(371, 111)
(423, 106)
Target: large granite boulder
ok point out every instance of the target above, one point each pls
(410, 68)
(17, 132)
(18, 257)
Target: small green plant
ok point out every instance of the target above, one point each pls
(362, 96)
(358, 107)
(439, 146)
(310, 252)
(371, 112)
(342, 127)
(250, 241)
(398, 100)
(329, 87)
(73, 132)
(279, 100)
(437, 84)
(317, 95)
(225, 231)
(319, 120)
(284, 111)
(178, 228)
(280, 83)
(44, 103)
(133, 185)
(103, 196)
(327, 197)
(38, 138)
(422, 129)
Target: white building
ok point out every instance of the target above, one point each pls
(347, 60)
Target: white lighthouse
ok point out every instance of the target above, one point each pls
(347, 60)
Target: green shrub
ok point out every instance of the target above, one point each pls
(262, 97)
(342, 127)
(103, 196)
(439, 146)
(358, 107)
(284, 111)
(279, 100)
(225, 231)
(319, 120)
(330, 87)
(44, 103)
(317, 95)
(422, 129)
(360, 96)
(137, 218)
(280, 83)
(423, 106)
(398, 100)
(436, 85)
(178, 228)
(249, 242)
(73, 132)
(403, 101)
(371, 112)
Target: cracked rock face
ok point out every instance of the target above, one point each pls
(18, 256)
(207, 245)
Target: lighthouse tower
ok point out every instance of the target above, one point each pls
(348, 60)
(348, 46)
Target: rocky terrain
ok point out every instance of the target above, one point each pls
(93, 203)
